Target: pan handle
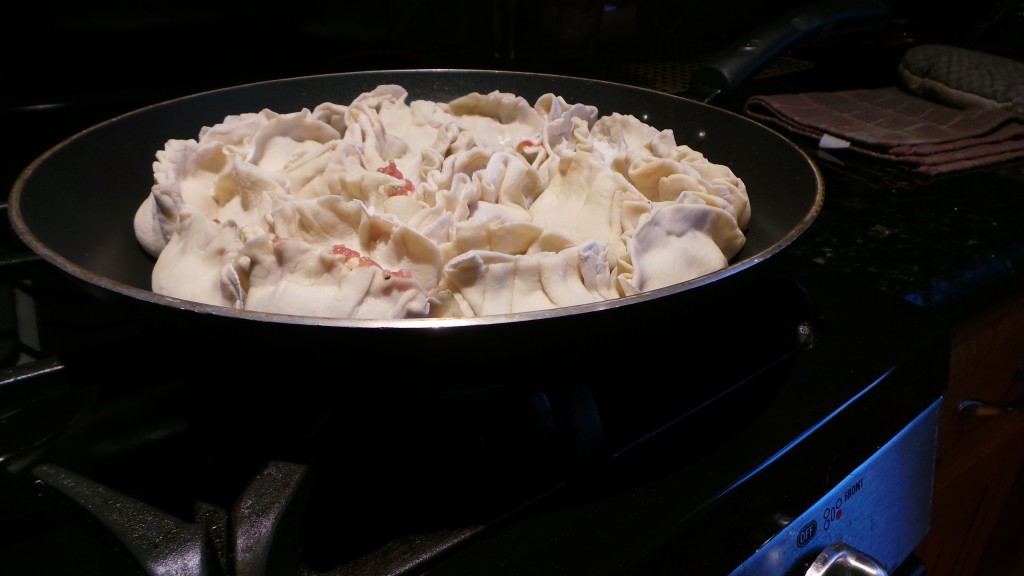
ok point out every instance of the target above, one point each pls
(742, 60)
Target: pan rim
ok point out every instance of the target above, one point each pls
(34, 243)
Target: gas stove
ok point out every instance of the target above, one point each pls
(792, 434)
(819, 431)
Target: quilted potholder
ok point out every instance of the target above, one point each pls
(963, 78)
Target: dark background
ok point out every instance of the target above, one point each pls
(67, 68)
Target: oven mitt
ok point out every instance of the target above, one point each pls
(963, 78)
(896, 125)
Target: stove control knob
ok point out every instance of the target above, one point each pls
(841, 560)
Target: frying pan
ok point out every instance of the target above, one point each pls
(75, 205)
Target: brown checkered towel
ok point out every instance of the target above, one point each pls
(956, 109)
(896, 126)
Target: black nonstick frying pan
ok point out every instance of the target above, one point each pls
(75, 205)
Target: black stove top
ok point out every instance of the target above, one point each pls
(123, 461)
(121, 455)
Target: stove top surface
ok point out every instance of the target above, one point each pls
(395, 479)
(386, 479)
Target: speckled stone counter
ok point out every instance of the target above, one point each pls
(953, 244)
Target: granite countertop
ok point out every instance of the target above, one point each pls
(954, 245)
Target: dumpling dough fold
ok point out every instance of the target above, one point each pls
(390, 208)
